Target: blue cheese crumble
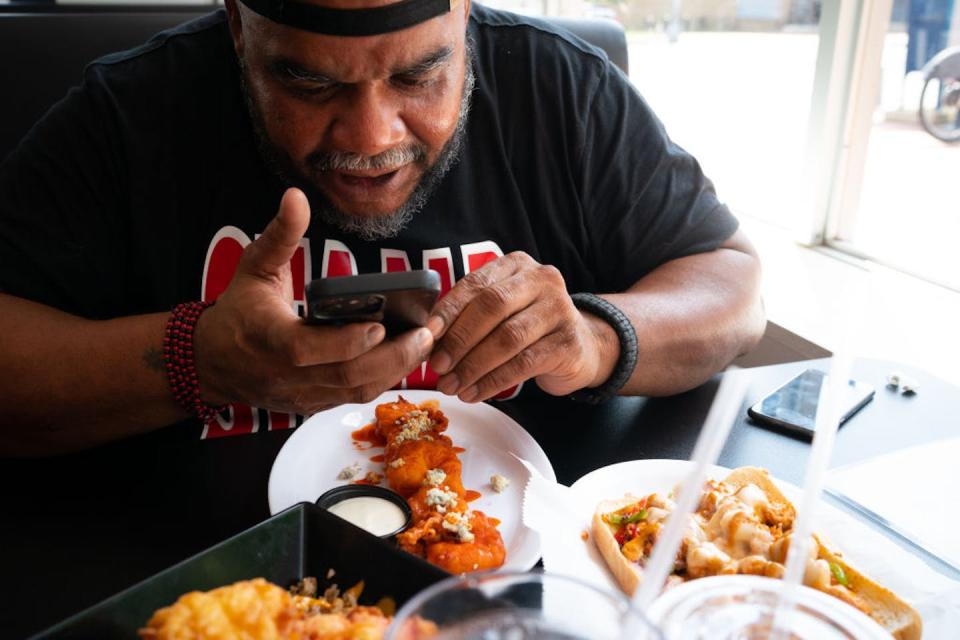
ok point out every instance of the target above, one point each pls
(435, 477)
(459, 525)
(441, 499)
(414, 425)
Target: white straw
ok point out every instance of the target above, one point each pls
(825, 431)
(723, 413)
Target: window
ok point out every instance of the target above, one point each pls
(900, 204)
(732, 82)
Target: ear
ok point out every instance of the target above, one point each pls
(466, 12)
(236, 26)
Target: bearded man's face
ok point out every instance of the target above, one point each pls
(366, 125)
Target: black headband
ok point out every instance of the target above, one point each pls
(351, 22)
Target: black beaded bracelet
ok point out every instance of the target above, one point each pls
(627, 361)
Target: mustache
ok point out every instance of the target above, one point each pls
(391, 159)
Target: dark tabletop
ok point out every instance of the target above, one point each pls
(79, 528)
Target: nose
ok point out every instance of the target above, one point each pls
(369, 122)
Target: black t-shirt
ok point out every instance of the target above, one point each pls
(140, 188)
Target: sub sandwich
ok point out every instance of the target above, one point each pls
(742, 525)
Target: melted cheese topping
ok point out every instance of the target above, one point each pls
(730, 532)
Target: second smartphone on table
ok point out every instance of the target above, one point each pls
(793, 407)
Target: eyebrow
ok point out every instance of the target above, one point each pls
(285, 67)
(428, 63)
(290, 69)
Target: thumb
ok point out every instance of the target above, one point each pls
(273, 250)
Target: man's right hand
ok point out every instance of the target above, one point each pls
(252, 348)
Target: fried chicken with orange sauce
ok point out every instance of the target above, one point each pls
(486, 551)
(392, 416)
(420, 501)
(440, 545)
(418, 457)
(423, 532)
(414, 444)
(422, 465)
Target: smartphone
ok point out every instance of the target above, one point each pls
(793, 407)
(401, 300)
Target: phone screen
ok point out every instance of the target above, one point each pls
(794, 405)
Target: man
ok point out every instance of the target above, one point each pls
(418, 134)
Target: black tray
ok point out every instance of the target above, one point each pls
(302, 541)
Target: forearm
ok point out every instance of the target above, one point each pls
(71, 383)
(692, 316)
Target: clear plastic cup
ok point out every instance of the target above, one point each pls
(519, 606)
(742, 608)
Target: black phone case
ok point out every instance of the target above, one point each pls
(785, 426)
(400, 300)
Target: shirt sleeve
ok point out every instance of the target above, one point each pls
(646, 201)
(60, 191)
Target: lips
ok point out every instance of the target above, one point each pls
(366, 181)
(364, 187)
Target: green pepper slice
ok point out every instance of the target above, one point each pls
(838, 574)
(633, 517)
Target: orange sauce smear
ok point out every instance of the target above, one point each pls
(472, 495)
(380, 457)
(368, 433)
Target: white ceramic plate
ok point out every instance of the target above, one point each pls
(310, 460)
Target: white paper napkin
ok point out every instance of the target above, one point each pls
(916, 489)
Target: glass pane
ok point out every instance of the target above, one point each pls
(732, 82)
(909, 204)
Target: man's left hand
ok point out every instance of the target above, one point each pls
(512, 320)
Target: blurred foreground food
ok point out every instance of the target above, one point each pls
(257, 609)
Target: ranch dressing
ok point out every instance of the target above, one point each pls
(378, 516)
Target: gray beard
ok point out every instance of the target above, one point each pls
(373, 227)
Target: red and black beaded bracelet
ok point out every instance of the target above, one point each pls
(179, 360)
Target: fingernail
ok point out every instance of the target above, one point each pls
(448, 384)
(435, 325)
(375, 334)
(470, 394)
(424, 339)
(440, 362)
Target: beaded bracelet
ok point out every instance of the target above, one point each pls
(179, 362)
(627, 335)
